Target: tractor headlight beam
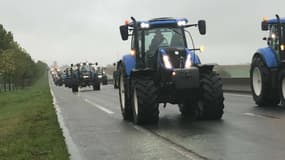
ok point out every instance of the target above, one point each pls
(188, 62)
(166, 62)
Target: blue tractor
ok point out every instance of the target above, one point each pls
(267, 70)
(162, 69)
(84, 75)
(67, 77)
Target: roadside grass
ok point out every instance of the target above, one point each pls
(29, 129)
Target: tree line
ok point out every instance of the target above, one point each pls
(17, 68)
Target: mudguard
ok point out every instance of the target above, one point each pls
(205, 67)
(194, 57)
(129, 63)
(269, 56)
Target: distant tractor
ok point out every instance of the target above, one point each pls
(67, 77)
(267, 72)
(102, 75)
(84, 75)
(58, 78)
(162, 69)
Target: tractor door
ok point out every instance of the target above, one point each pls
(282, 44)
(273, 40)
(276, 41)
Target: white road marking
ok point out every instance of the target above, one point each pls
(253, 115)
(99, 106)
(71, 146)
(238, 95)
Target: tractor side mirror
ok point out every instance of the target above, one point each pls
(96, 64)
(114, 64)
(202, 27)
(264, 26)
(124, 32)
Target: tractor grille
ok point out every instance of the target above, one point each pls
(176, 56)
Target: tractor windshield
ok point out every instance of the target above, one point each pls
(163, 37)
(85, 68)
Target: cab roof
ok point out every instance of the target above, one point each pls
(274, 20)
(161, 22)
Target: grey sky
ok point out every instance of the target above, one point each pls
(69, 31)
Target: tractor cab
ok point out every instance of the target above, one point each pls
(267, 69)
(276, 38)
(148, 37)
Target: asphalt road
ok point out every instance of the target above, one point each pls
(95, 130)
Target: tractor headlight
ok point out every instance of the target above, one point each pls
(166, 62)
(133, 52)
(144, 25)
(188, 62)
(273, 36)
(99, 76)
(181, 23)
(85, 76)
(282, 47)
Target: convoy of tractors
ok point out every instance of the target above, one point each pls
(80, 75)
(162, 67)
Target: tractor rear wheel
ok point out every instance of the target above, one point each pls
(145, 107)
(260, 82)
(210, 104)
(125, 102)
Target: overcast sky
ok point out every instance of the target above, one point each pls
(68, 31)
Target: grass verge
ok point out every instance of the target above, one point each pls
(29, 129)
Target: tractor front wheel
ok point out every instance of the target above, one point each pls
(145, 107)
(74, 88)
(260, 81)
(210, 104)
(96, 86)
(125, 102)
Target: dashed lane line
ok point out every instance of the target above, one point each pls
(260, 115)
(238, 95)
(253, 115)
(99, 106)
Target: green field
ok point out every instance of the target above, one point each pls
(233, 71)
(29, 129)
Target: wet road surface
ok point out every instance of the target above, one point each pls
(94, 122)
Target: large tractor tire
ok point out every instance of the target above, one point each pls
(281, 81)
(145, 107)
(96, 86)
(115, 79)
(116, 85)
(260, 82)
(105, 82)
(125, 101)
(75, 88)
(210, 104)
